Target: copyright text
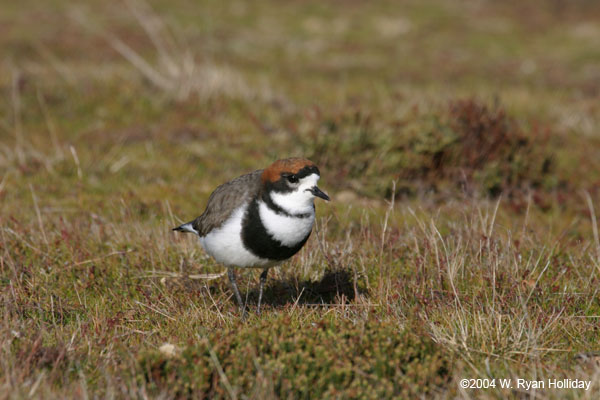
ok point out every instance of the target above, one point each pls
(525, 384)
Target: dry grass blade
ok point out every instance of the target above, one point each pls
(168, 274)
(217, 364)
(176, 70)
(594, 222)
(155, 310)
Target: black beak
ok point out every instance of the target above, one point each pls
(318, 193)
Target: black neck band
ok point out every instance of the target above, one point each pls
(266, 197)
(258, 241)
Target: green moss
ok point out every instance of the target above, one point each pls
(326, 358)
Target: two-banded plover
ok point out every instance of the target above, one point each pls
(260, 219)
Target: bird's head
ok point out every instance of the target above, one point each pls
(292, 184)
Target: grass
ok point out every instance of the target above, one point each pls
(459, 142)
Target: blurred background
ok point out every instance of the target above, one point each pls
(476, 96)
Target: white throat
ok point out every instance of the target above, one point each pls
(300, 200)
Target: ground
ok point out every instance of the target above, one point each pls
(459, 142)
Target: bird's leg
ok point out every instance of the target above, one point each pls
(231, 274)
(263, 279)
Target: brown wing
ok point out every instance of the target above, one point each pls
(225, 199)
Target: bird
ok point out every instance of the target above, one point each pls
(260, 219)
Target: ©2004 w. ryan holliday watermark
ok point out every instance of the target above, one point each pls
(525, 384)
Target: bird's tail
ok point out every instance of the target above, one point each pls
(187, 227)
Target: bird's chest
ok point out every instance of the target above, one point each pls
(272, 235)
(289, 230)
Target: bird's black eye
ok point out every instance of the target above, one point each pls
(292, 178)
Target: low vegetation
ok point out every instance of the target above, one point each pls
(458, 141)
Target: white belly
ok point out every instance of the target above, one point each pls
(225, 245)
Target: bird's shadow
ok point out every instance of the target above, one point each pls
(328, 290)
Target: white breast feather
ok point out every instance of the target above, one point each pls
(289, 231)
